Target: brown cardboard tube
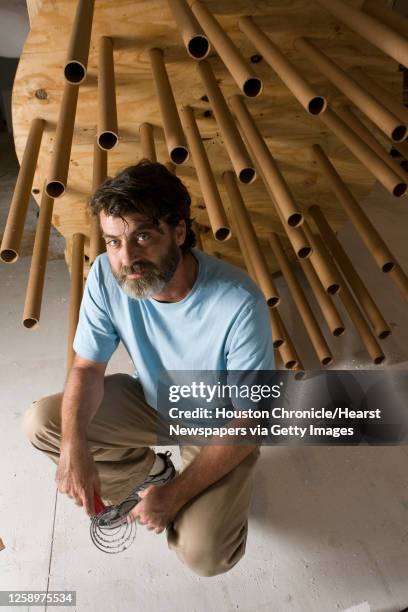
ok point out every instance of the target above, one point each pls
(387, 15)
(171, 167)
(324, 268)
(216, 214)
(328, 309)
(13, 231)
(391, 181)
(100, 171)
(400, 279)
(248, 236)
(377, 33)
(59, 166)
(107, 115)
(377, 112)
(173, 133)
(77, 286)
(35, 286)
(241, 162)
(147, 142)
(246, 79)
(270, 170)
(316, 337)
(360, 129)
(245, 253)
(195, 41)
(371, 238)
(381, 94)
(301, 89)
(289, 356)
(358, 320)
(76, 62)
(367, 304)
(278, 329)
(196, 230)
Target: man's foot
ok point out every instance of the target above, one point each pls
(119, 511)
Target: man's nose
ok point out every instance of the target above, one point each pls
(129, 254)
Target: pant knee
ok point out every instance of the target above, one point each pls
(41, 419)
(210, 558)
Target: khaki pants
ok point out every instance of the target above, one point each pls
(209, 533)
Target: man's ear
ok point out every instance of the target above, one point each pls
(180, 232)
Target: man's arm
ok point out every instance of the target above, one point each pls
(76, 474)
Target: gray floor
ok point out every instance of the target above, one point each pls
(328, 527)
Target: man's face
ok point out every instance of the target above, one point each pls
(143, 256)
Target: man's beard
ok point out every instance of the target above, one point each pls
(155, 277)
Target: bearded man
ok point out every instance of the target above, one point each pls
(174, 308)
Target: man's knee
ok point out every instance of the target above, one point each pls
(42, 419)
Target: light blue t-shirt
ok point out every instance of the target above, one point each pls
(222, 324)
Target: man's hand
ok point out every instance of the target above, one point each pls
(158, 507)
(77, 476)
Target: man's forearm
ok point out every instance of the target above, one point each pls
(82, 397)
(210, 465)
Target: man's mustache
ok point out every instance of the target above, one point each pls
(137, 268)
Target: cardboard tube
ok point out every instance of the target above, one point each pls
(173, 133)
(247, 232)
(278, 329)
(381, 94)
(358, 320)
(379, 114)
(387, 15)
(196, 230)
(316, 337)
(324, 268)
(360, 129)
(171, 167)
(107, 136)
(13, 231)
(76, 290)
(59, 166)
(400, 279)
(391, 181)
(76, 61)
(371, 238)
(289, 356)
(147, 142)
(237, 152)
(100, 171)
(245, 253)
(246, 79)
(270, 170)
(216, 214)
(195, 41)
(359, 289)
(303, 92)
(377, 33)
(328, 309)
(35, 286)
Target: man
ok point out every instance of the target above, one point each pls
(173, 308)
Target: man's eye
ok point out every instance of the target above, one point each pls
(143, 237)
(113, 243)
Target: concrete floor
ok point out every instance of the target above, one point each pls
(328, 527)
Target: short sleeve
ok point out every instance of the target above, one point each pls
(249, 344)
(96, 338)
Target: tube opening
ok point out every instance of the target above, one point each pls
(277, 343)
(252, 87)
(295, 220)
(387, 267)
(305, 252)
(55, 189)
(317, 105)
(399, 190)
(327, 360)
(30, 323)
(198, 47)
(273, 301)
(222, 233)
(333, 289)
(339, 331)
(8, 255)
(291, 364)
(379, 359)
(384, 334)
(74, 72)
(399, 133)
(299, 375)
(179, 155)
(247, 175)
(107, 140)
